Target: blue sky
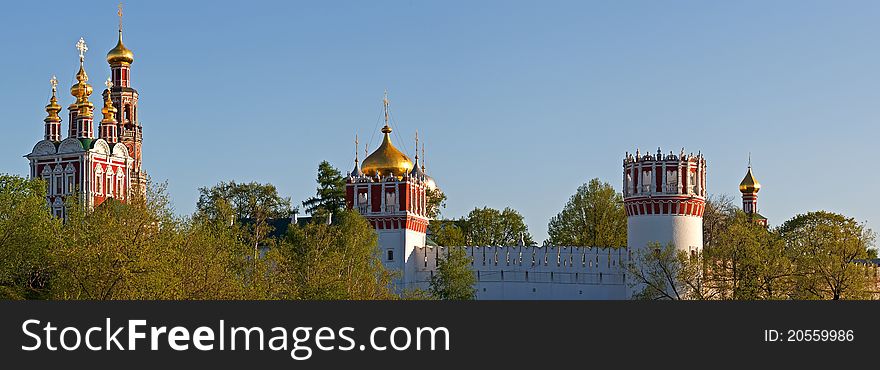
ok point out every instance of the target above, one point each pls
(519, 103)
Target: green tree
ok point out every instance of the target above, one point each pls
(330, 195)
(446, 233)
(454, 279)
(243, 200)
(436, 201)
(489, 226)
(27, 230)
(336, 261)
(718, 214)
(748, 262)
(594, 216)
(248, 205)
(660, 272)
(824, 248)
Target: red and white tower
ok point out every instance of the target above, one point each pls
(664, 196)
(749, 188)
(125, 99)
(391, 196)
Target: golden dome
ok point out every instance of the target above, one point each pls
(120, 54)
(53, 107)
(387, 160)
(749, 185)
(81, 89)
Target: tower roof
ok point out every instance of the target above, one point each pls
(749, 184)
(120, 54)
(387, 159)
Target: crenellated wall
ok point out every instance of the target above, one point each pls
(529, 272)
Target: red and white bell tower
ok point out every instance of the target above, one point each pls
(125, 99)
(391, 196)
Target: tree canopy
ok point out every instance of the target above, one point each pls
(454, 279)
(330, 194)
(489, 226)
(593, 217)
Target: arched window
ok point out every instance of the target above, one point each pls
(110, 183)
(99, 180)
(120, 185)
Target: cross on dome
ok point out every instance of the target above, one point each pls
(82, 47)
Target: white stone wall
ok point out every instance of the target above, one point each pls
(550, 273)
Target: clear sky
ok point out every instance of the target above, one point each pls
(519, 103)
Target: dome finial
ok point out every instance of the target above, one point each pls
(386, 129)
(119, 13)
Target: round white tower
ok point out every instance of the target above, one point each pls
(664, 196)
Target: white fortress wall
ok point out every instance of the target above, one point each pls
(528, 272)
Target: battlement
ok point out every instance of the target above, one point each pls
(532, 272)
(664, 175)
(532, 258)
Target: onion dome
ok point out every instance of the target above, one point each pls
(429, 183)
(81, 90)
(109, 110)
(749, 185)
(53, 107)
(120, 54)
(387, 159)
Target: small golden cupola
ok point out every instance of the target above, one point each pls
(120, 54)
(53, 107)
(81, 90)
(749, 185)
(387, 160)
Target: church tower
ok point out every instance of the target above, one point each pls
(665, 196)
(125, 99)
(749, 188)
(391, 196)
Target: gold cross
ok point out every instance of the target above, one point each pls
(82, 47)
(54, 82)
(108, 83)
(119, 13)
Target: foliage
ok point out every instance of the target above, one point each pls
(489, 226)
(664, 273)
(446, 233)
(248, 206)
(244, 201)
(718, 213)
(454, 279)
(330, 195)
(824, 247)
(594, 216)
(748, 262)
(27, 230)
(336, 261)
(436, 201)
